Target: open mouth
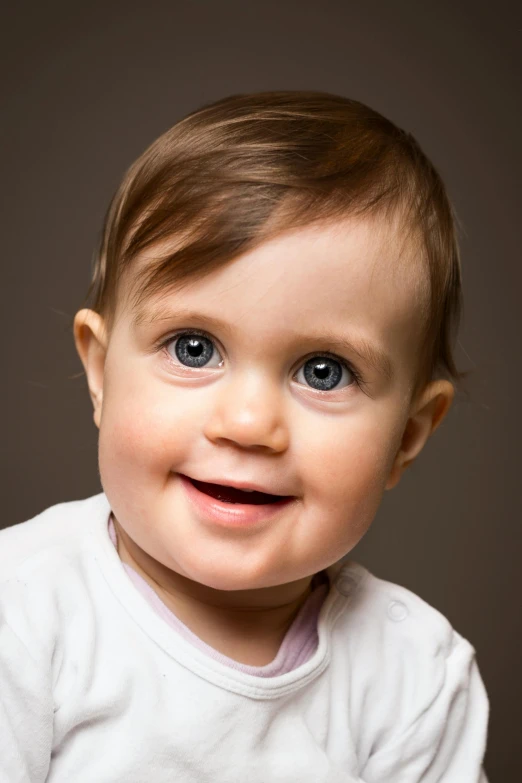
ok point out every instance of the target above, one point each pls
(233, 495)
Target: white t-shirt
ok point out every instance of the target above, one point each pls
(95, 687)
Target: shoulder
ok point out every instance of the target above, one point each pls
(54, 533)
(409, 675)
(399, 649)
(45, 565)
(392, 614)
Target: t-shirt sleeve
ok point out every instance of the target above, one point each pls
(26, 712)
(443, 740)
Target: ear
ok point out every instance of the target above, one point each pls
(428, 412)
(91, 343)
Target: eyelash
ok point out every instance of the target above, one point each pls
(164, 341)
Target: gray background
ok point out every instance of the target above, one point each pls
(87, 86)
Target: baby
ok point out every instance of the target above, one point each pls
(267, 349)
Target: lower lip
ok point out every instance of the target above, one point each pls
(232, 514)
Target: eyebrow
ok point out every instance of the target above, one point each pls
(365, 350)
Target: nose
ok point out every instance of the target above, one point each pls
(249, 412)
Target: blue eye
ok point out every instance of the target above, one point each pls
(324, 373)
(193, 349)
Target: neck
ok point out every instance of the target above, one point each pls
(263, 615)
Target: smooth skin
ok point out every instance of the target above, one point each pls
(251, 415)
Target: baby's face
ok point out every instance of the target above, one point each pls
(260, 405)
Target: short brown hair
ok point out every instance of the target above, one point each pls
(242, 169)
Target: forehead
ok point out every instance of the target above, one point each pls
(337, 260)
(356, 279)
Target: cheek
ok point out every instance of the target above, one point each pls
(350, 464)
(144, 430)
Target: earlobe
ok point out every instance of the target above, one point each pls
(91, 343)
(428, 413)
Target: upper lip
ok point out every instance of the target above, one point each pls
(248, 485)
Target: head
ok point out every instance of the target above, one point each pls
(310, 245)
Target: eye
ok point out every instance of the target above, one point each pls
(324, 373)
(193, 349)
